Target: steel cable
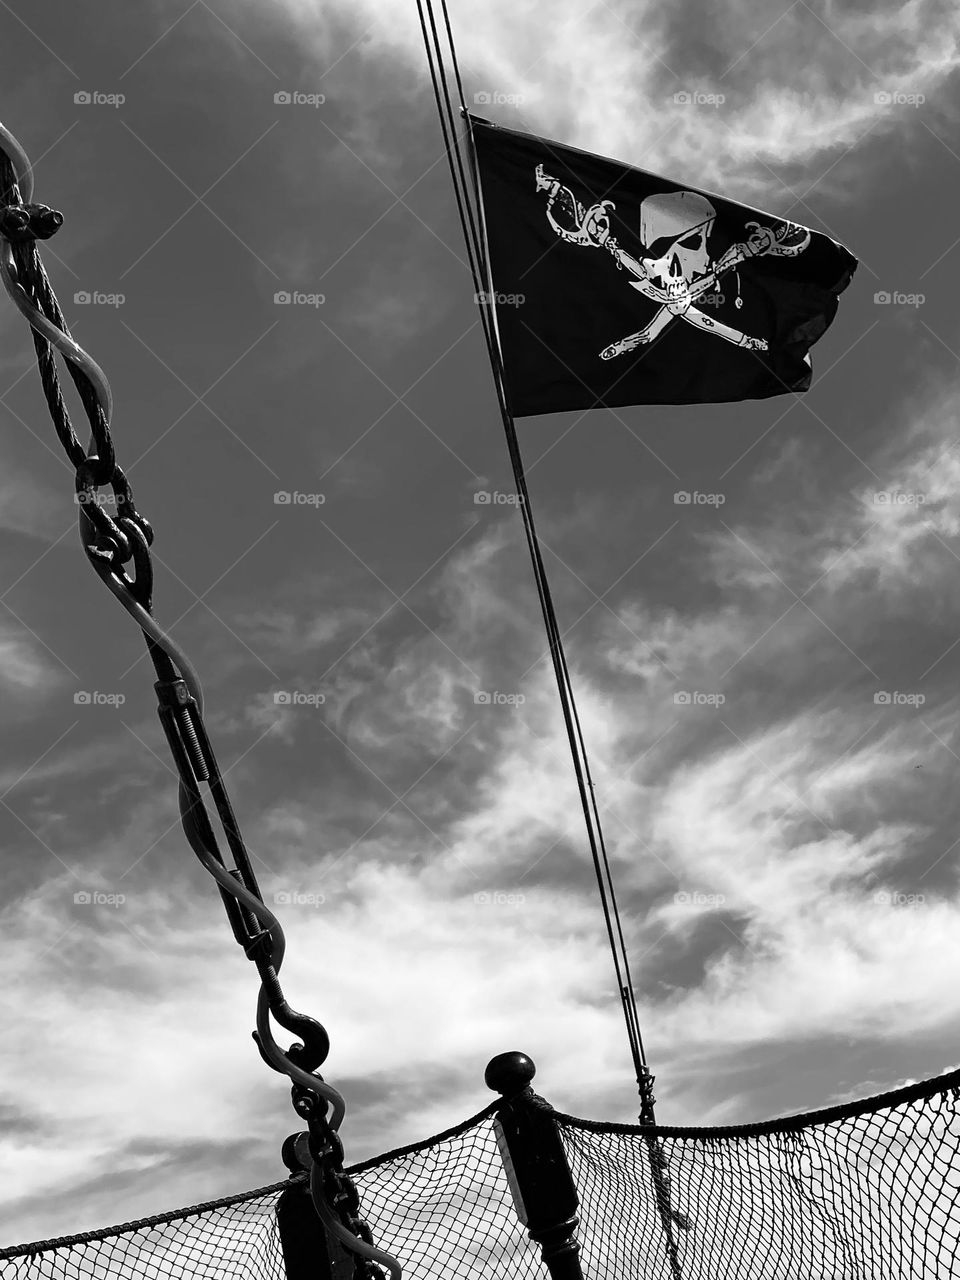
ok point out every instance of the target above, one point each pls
(109, 545)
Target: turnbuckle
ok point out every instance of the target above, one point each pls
(177, 707)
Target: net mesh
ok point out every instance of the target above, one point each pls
(867, 1191)
(236, 1237)
(867, 1196)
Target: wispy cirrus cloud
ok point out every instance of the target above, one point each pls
(783, 87)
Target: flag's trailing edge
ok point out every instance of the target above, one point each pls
(613, 286)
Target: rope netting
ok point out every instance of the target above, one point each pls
(236, 1237)
(866, 1191)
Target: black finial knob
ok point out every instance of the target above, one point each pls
(508, 1073)
(295, 1152)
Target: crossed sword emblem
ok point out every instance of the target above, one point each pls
(592, 228)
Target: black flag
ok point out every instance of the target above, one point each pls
(616, 287)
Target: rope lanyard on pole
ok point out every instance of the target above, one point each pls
(470, 210)
(110, 543)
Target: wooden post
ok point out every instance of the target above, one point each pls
(309, 1251)
(535, 1163)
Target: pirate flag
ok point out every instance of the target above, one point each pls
(615, 287)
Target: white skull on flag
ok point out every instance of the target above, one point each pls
(685, 219)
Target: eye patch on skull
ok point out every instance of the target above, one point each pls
(663, 244)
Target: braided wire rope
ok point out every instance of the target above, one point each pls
(110, 544)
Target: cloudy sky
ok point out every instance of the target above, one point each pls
(785, 844)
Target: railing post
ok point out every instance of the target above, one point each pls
(535, 1163)
(309, 1251)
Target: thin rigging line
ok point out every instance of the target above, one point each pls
(472, 225)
